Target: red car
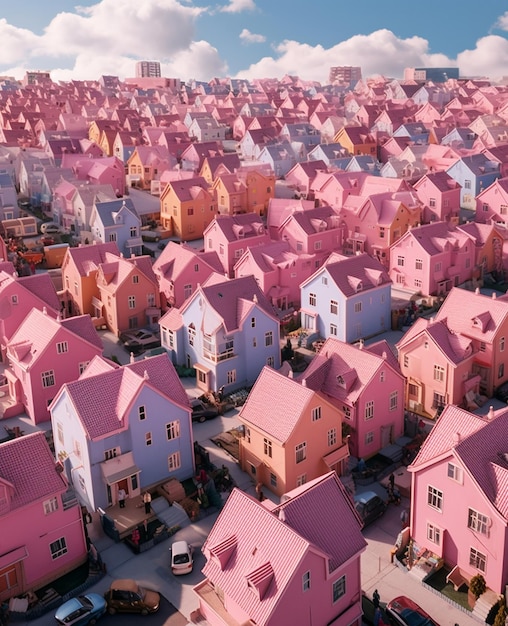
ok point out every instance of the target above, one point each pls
(402, 611)
(47, 240)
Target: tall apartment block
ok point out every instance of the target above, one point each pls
(345, 74)
(148, 69)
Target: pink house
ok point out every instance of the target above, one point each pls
(231, 235)
(30, 560)
(292, 434)
(431, 259)
(459, 482)
(19, 296)
(129, 293)
(439, 194)
(179, 270)
(367, 386)
(278, 271)
(492, 203)
(43, 354)
(316, 231)
(293, 563)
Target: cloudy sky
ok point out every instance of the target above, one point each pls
(251, 38)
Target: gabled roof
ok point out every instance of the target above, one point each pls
(479, 442)
(317, 518)
(88, 258)
(24, 458)
(275, 404)
(176, 258)
(101, 400)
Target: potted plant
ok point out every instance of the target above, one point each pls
(477, 586)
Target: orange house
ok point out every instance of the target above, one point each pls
(187, 207)
(357, 140)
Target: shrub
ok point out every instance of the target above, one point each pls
(477, 585)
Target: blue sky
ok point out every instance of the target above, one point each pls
(251, 38)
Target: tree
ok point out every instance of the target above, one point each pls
(477, 585)
(501, 614)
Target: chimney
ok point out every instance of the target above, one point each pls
(456, 438)
(490, 414)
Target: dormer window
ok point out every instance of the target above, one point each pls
(260, 579)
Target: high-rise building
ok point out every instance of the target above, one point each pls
(345, 74)
(148, 69)
(434, 74)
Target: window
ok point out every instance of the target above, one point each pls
(254, 342)
(316, 413)
(301, 480)
(382, 377)
(312, 299)
(339, 588)
(135, 279)
(500, 370)
(369, 410)
(438, 401)
(358, 307)
(501, 344)
(306, 581)
(273, 479)
(61, 347)
(477, 560)
(48, 378)
(333, 330)
(434, 498)
(317, 246)
(455, 472)
(111, 453)
(434, 534)
(50, 506)
(400, 261)
(174, 461)
(394, 400)
(173, 430)
(267, 447)
(190, 211)
(432, 202)
(369, 437)
(142, 413)
(503, 209)
(58, 548)
(14, 299)
(467, 184)
(439, 373)
(83, 366)
(334, 307)
(406, 360)
(437, 267)
(268, 338)
(132, 302)
(482, 347)
(148, 439)
(418, 264)
(191, 334)
(418, 283)
(231, 377)
(301, 452)
(324, 280)
(299, 246)
(196, 267)
(270, 361)
(60, 432)
(381, 232)
(112, 237)
(478, 522)
(150, 299)
(253, 322)
(332, 437)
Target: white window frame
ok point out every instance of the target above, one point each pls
(131, 302)
(268, 339)
(301, 452)
(478, 522)
(454, 472)
(174, 461)
(316, 413)
(332, 437)
(48, 378)
(62, 347)
(339, 589)
(477, 559)
(58, 548)
(50, 506)
(306, 581)
(435, 498)
(369, 410)
(434, 533)
(394, 400)
(173, 430)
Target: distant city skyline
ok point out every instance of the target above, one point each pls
(251, 38)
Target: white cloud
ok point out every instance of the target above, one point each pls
(502, 22)
(238, 6)
(380, 52)
(247, 37)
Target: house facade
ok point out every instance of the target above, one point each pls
(30, 560)
(295, 562)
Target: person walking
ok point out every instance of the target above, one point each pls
(375, 599)
(121, 497)
(391, 479)
(147, 499)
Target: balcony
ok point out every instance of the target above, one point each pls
(216, 357)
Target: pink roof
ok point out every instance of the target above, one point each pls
(176, 258)
(275, 404)
(348, 272)
(88, 258)
(232, 226)
(24, 458)
(41, 286)
(101, 400)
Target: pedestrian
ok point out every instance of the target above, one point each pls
(375, 599)
(404, 517)
(392, 481)
(259, 491)
(147, 499)
(121, 497)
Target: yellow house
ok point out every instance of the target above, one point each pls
(230, 194)
(260, 184)
(357, 140)
(187, 207)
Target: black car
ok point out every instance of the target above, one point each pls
(202, 412)
(403, 611)
(369, 506)
(137, 341)
(126, 596)
(501, 392)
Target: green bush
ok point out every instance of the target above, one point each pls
(477, 585)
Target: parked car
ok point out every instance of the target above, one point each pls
(202, 412)
(369, 506)
(181, 558)
(47, 240)
(402, 611)
(85, 609)
(501, 392)
(138, 340)
(126, 596)
(50, 228)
